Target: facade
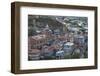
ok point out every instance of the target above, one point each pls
(34, 54)
(38, 41)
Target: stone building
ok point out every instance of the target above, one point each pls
(34, 54)
(37, 41)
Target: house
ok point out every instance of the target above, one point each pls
(37, 41)
(49, 51)
(34, 54)
(68, 48)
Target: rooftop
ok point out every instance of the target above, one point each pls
(34, 51)
(38, 37)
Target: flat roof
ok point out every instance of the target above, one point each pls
(38, 37)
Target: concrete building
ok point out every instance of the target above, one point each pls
(34, 54)
(37, 41)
